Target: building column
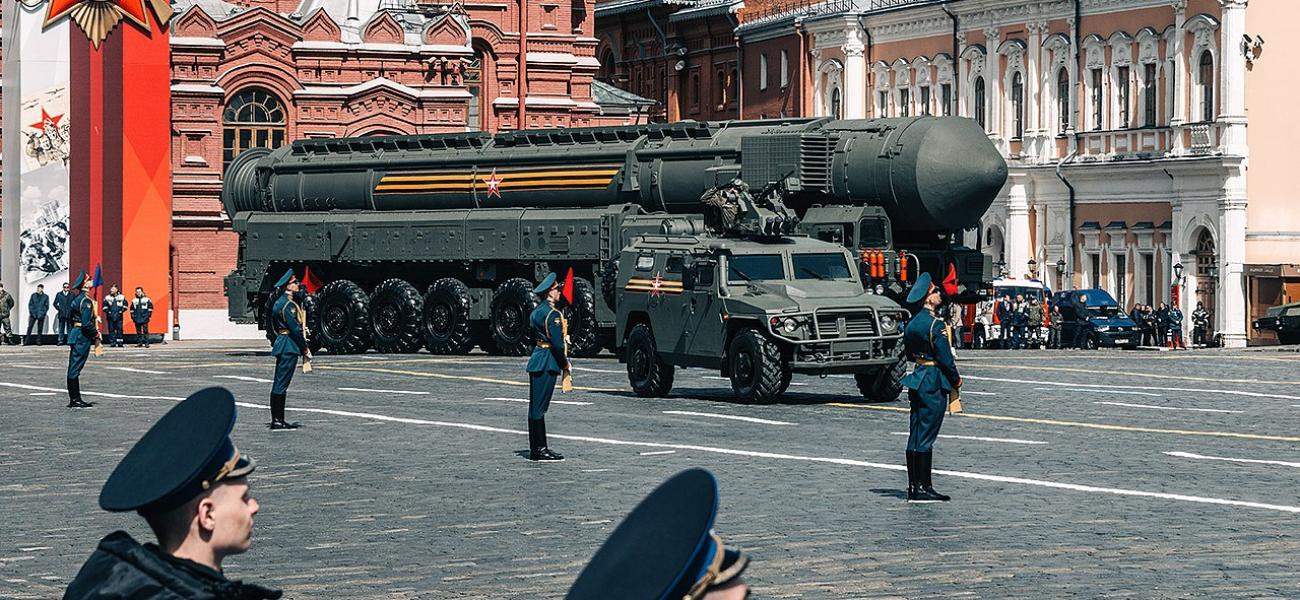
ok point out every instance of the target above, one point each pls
(1179, 84)
(1034, 129)
(1232, 78)
(1231, 292)
(1017, 240)
(993, 87)
(855, 75)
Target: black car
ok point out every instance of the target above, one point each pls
(1284, 319)
(1103, 321)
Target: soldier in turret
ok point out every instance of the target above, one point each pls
(548, 362)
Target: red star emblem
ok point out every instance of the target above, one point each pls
(493, 184)
(131, 9)
(51, 122)
(656, 285)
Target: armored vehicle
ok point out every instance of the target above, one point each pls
(431, 240)
(759, 310)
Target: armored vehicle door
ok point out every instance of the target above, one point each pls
(702, 318)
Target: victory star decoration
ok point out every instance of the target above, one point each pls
(97, 18)
(493, 184)
(47, 121)
(656, 285)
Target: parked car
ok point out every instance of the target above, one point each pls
(1284, 319)
(1004, 293)
(1105, 324)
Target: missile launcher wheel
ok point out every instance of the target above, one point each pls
(311, 304)
(649, 374)
(344, 317)
(584, 332)
(446, 317)
(511, 307)
(609, 282)
(756, 368)
(396, 314)
(883, 384)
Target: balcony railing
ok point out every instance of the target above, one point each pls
(1126, 144)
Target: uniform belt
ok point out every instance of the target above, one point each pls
(76, 323)
(543, 344)
(925, 362)
(283, 331)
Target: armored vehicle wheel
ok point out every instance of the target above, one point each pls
(786, 377)
(511, 308)
(584, 334)
(264, 318)
(344, 317)
(446, 317)
(311, 304)
(882, 384)
(609, 282)
(649, 375)
(395, 313)
(756, 367)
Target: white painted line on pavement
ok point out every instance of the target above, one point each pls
(352, 389)
(1213, 410)
(135, 370)
(1238, 460)
(731, 417)
(974, 393)
(41, 394)
(728, 379)
(656, 453)
(372, 357)
(979, 439)
(243, 378)
(525, 400)
(1102, 391)
(1135, 387)
(43, 367)
(22, 386)
(591, 370)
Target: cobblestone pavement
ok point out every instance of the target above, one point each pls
(1074, 474)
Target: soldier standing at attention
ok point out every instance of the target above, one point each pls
(141, 312)
(548, 362)
(190, 483)
(289, 344)
(929, 384)
(6, 306)
(38, 305)
(60, 315)
(81, 336)
(114, 306)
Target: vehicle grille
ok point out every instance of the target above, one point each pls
(856, 324)
(816, 153)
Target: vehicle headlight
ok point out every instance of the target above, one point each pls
(1104, 328)
(888, 323)
(880, 290)
(789, 325)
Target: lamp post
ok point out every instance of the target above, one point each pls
(1060, 273)
(1002, 268)
(1033, 269)
(1176, 293)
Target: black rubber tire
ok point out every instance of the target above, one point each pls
(445, 323)
(882, 384)
(311, 304)
(1090, 342)
(511, 308)
(756, 368)
(649, 375)
(609, 282)
(786, 378)
(584, 333)
(396, 311)
(264, 318)
(344, 317)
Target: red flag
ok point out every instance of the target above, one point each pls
(950, 280)
(567, 290)
(309, 281)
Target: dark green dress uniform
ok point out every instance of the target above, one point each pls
(80, 315)
(545, 365)
(290, 343)
(929, 384)
(666, 548)
(185, 453)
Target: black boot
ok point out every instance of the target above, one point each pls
(74, 395)
(927, 492)
(912, 486)
(534, 448)
(540, 452)
(277, 414)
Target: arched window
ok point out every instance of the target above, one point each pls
(254, 118)
(1206, 71)
(720, 81)
(474, 85)
(1206, 259)
(980, 102)
(835, 104)
(1063, 97)
(1018, 104)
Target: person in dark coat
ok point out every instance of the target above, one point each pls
(1174, 319)
(38, 305)
(192, 489)
(115, 306)
(548, 362)
(290, 343)
(141, 312)
(1200, 325)
(928, 387)
(61, 314)
(1161, 325)
(82, 334)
